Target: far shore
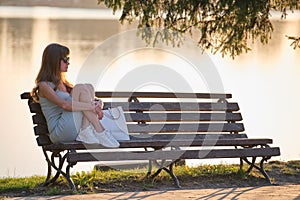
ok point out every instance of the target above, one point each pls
(54, 3)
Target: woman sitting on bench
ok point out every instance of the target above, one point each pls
(70, 111)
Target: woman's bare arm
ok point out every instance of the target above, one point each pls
(46, 91)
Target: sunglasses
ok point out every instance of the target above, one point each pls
(66, 60)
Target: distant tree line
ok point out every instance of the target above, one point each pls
(225, 26)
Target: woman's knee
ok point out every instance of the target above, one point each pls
(81, 90)
(79, 86)
(90, 88)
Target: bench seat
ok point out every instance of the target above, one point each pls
(171, 155)
(142, 143)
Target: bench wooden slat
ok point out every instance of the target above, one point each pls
(155, 137)
(165, 117)
(43, 140)
(41, 129)
(39, 119)
(169, 128)
(26, 95)
(195, 142)
(157, 117)
(35, 108)
(166, 143)
(162, 95)
(156, 106)
(202, 127)
(172, 155)
(186, 136)
(172, 106)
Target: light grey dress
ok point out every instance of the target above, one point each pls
(63, 125)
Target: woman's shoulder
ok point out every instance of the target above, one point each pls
(44, 87)
(45, 84)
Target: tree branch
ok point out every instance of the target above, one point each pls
(224, 25)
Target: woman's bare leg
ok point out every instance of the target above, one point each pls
(90, 88)
(85, 93)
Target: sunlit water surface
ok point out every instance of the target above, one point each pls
(265, 82)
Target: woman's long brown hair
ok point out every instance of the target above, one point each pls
(50, 68)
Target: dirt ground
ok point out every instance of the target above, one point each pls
(285, 185)
(282, 192)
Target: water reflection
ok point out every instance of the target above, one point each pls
(16, 39)
(21, 45)
(271, 72)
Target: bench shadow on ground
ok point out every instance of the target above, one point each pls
(219, 193)
(201, 194)
(218, 189)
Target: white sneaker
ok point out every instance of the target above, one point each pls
(111, 137)
(87, 135)
(106, 139)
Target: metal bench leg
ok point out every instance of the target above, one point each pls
(49, 170)
(262, 169)
(67, 173)
(259, 168)
(252, 164)
(159, 169)
(61, 160)
(50, 180)
(149, 168)
(241, 163)
(149, 165)
(169, 171)
(68, 177)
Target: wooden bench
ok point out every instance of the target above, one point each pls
(163, 126)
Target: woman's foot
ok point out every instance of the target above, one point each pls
(106, 139)
(87, 135)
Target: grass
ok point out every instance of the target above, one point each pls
(204, 176)
(20, 184)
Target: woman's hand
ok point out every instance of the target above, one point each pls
(98, 109)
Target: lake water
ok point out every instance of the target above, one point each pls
(265, 82)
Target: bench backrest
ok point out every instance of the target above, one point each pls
(152, 112)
